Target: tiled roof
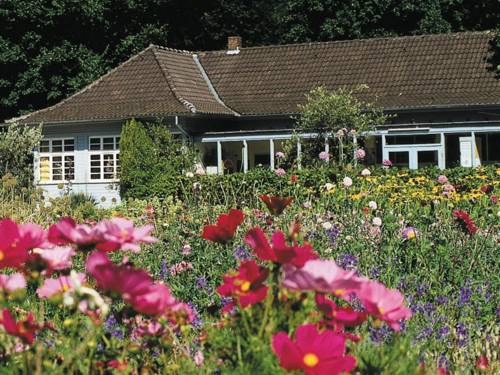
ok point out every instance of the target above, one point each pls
(157, 81)
(403, 72)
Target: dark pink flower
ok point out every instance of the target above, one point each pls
(66, 231)
(338, 316)
(313, 352)
(16, 241)
(226, 226)
(25, 328)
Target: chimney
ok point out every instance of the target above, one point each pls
(234, 43)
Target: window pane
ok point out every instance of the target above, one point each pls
(494, 147)
(95, 143)
(400, 158)
(69, 145)
(108, 143)
(44, 146)
(45, 168)
(95, 176)
(69, 167)
(117, 143)
(427, 158)
(57, 146)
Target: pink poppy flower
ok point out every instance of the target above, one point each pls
(280, 172)
(442, 179)
(279, 252)
(313, 352)
(16, 240)
(119, 233)
(58, 258)
(359, 153)
(247, 286)
(52, 287)
(67, 231)
(12, 283)
(383, 303)
(323, 155)
(322, 276)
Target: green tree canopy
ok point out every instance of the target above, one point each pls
(50, 49)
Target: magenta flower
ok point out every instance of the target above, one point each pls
(66, 231)
(12, 283)
(119, 233)
(16, 241)
(313, 352)
(383, 303)
(62, 284)
(321, 276)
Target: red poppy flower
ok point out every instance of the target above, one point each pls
(24, 329)
(247, 286)
(487, 189)
(313, 352)
(279, 252)
(482, 363)
(466, 221)
(225, 228)
(339, 316)
(275, 204)
(294, 178)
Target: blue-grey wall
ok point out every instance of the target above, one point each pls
(105, 193)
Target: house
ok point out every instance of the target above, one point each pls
(237, 105)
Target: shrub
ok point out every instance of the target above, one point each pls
(152, 160)
(16, 152)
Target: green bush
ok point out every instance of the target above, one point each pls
(152, 160)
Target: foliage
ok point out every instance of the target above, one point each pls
(339, 116)
(449, 277)
(152, 160)
(50, 49)
(16, 152)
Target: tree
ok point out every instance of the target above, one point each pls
(152, 160)
(339, 118)
(16, 152)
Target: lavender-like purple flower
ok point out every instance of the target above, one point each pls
(443, 332)
(465, 295)
(201, 282)
(333, 233)
(348, 261)
(241, 253)
(461, 331)
(441, 300)
(164, 272)
(380, 335)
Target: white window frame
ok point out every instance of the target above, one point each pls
(50, 155)
(115, 152)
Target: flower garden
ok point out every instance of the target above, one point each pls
(320, 272)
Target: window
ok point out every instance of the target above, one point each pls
(57, 160)
(104, 158)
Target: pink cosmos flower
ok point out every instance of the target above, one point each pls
(279, 252)
(57, 258)
(66, 231)
(442, 179)
(313, 352)
(359, 154)
(52, 287)
(119, 233)
(322, 276)
(12, 283)
(383, 303)
(16, 240)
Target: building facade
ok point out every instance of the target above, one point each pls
(239, 105)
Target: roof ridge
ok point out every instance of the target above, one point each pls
(183, 51)
(360, 40)
(171, 84)
(82, 90)
(210, 86)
